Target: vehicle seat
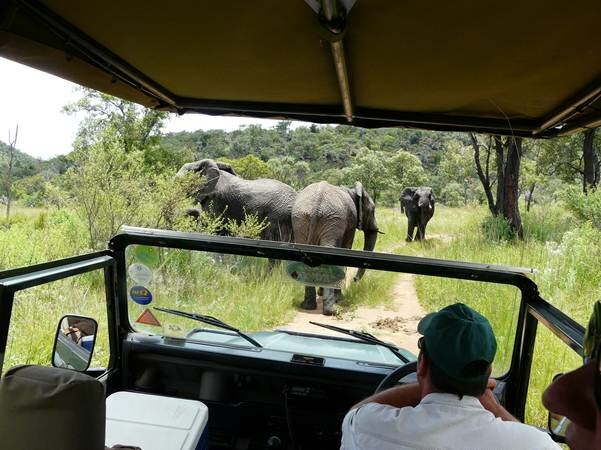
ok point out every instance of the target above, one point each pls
(47, 408)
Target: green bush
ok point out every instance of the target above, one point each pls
(548, 223)
(584, 207)
(452, 195)
(497, 228)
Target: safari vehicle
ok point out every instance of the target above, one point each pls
(528, 70)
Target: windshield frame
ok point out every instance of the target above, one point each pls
(314, 255)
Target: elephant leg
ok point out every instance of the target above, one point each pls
(331, 297)
(320, 292)
(410, 228)
(310, 302)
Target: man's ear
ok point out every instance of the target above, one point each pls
(422, 366)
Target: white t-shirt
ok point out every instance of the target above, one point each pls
(439, 422)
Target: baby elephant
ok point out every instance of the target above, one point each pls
(418, 204)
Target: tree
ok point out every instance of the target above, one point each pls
(508, 154)
(106, 186)
(454, 173)
(289, 171)
(591, 162)
(112, 181)
(249, 167)
(574, 158)
(134, 126)
(405, 169)
(12, 144)
(368, 167)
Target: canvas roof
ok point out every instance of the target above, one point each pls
(529, 68)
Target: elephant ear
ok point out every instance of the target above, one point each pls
(408, 194)
(210, 172)
(415, 197)
(226, 168)
(360, 198)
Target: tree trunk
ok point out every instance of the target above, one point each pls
(482, 175)
(510, 182)
(508, 155)
(591, 167)
(530, 195)
(500, 158)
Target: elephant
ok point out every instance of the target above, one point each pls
(224, 192)
(328, 215)
(418, 204)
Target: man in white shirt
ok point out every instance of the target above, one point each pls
(452, 405)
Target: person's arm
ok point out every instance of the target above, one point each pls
(399, 397)
(489, 401)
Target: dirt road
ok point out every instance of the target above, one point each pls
(396, 323)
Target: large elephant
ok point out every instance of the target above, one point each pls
(223, 192)
(418, 204)
(328, 215)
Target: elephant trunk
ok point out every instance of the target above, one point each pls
(370, 239)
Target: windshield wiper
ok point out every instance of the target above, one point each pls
(210, 320)
(365, 337)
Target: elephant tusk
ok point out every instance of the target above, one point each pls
(380, 232)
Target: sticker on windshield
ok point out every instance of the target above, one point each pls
(140, 295)
(140, 273)
(148, 318)
(147, 255)
(324, 275)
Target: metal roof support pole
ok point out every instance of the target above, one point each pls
(333, 13)
(571, 108)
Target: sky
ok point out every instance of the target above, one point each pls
(34, 99)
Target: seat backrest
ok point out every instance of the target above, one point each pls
(51, 409)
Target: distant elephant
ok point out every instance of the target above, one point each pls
(223, 192)
(418, 205)
(328, 215)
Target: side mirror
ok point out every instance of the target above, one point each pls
(74, 342)
(556, 424)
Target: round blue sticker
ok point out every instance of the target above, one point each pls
(140, 295)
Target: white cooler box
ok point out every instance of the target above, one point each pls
(153, 422)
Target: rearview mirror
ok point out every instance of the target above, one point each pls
(74, 342)
(557, 424)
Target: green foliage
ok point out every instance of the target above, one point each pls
(452, 195)
(106, 117)
(368, 167)
(105, 187)
(496, 228)
(249, 167)
(584, 207)
(251, 227)
(547, 224)
(293, 173)
(457, 163)
(384, 175)
(32, 190)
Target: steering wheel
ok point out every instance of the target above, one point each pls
(397, 374)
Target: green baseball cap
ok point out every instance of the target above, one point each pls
(456, 336)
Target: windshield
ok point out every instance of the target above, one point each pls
(265, 299)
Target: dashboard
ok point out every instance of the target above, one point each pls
(257, 398)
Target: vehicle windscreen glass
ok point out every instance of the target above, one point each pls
(270, 301)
